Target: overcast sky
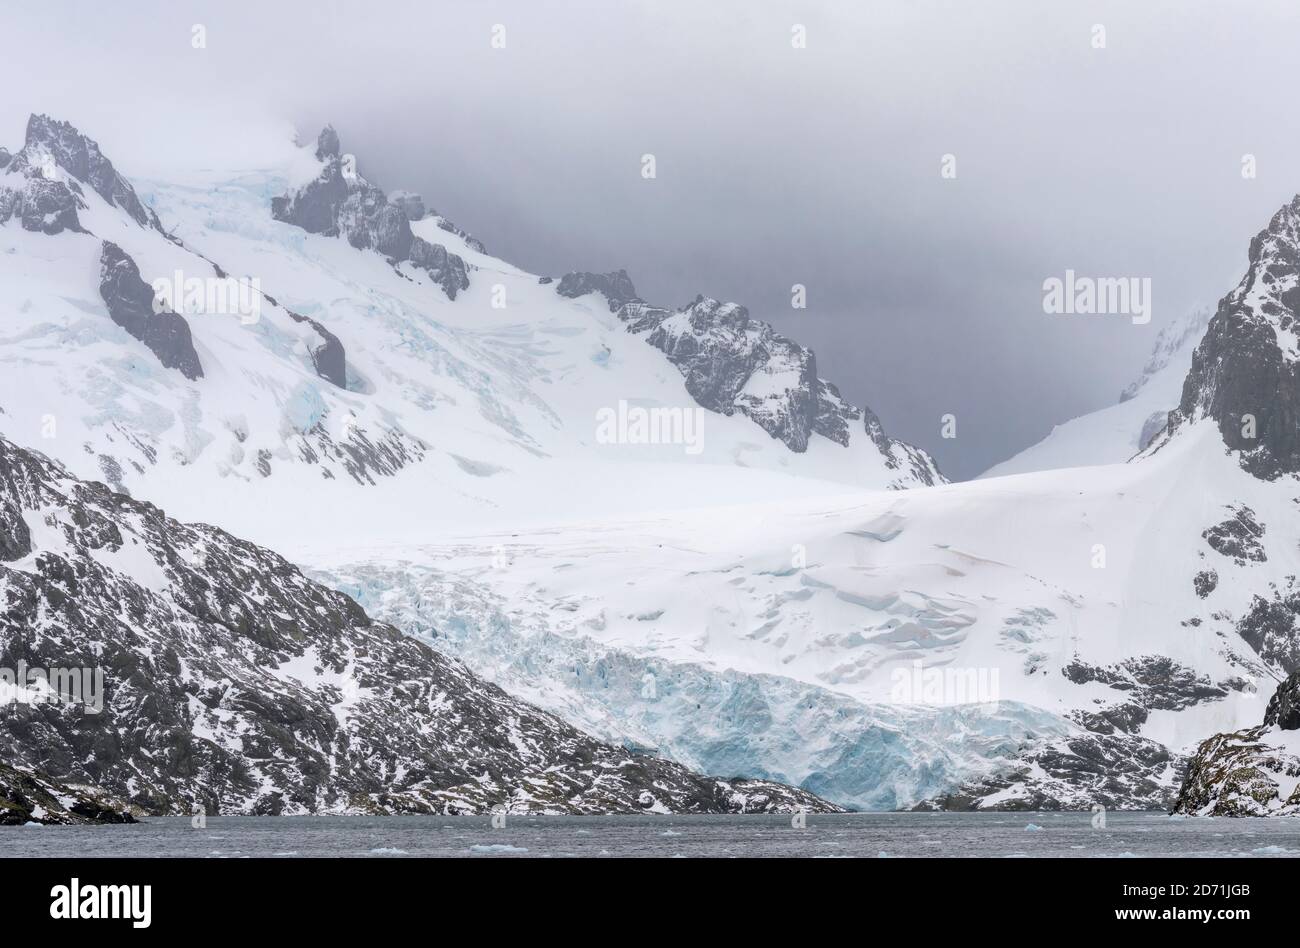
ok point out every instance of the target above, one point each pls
(775, 165)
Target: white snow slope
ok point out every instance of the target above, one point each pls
(498, 407)
(747, 610)
(781, 638)
(1116, 433)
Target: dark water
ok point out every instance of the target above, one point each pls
(852, 835)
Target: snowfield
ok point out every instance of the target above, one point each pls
(1059, 638)
(786, 632)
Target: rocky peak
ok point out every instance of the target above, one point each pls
(50, 142)
(734, 363)
(1245, 374)
(616, 287)
(327, 143)
(340, 202)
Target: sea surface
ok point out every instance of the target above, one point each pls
(871, 835)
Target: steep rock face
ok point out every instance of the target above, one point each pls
(315, 206)
(1254, 772)
(409, 203)
(52, 143)
(130, 302)
(1283, 709)
(30, 797)
(616, 287)
(368, 221)
(1245, 374)
(733, 363)
(447, 269)
(234, 684)
(1271, 626)
(1116, 770)
(327, 144)
(340, 202)
(49, 207)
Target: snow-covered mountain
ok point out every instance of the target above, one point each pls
(313, 341)
(233, 684)
(1119, 613)
(659, 524)
(1116, 433)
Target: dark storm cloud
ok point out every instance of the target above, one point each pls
(775, 165)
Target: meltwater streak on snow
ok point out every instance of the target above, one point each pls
(1064, 835)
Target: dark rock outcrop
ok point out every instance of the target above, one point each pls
(1238, 537)
(315, 206)
(80, 157)
(48, 207)
(470, 240)
(368, 222)
(447, 269)
(1118, 771)
(130, 303)
(1271, 626)
(732, 363)
(30, 797)
(1253, 772)
(340, 202)
(616, 287)
(1153, 682)
(1283, 709)
(409, 203)
(327, 144)
(234, 684)
(1245, 374)
(329, 357)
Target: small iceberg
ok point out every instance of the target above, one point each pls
(497, 848)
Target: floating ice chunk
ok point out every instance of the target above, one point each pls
(497, 848)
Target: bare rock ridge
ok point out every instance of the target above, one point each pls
(340, 202)
(29, 797)
(234, 684)
(52, 145)
(1246, 372)
(616, 287)
(734, 363)
(1253, 772)
(130, 303)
